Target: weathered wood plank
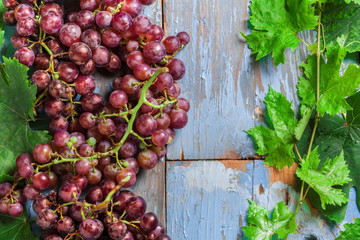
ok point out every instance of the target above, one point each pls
(224, 84)
(208, 199)
(271, 186)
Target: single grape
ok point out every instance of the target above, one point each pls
(148, 222)
(118, 99)
(86, 150)
(132, 7)
(117, 230)
(141, 25)
(183, 37)
(183, 104)
(15, 209)
(155, 33)
(163, 122)
(54, 107)
(128, 236)
(46, 219)
(85, 84)
(4, 207)
(55, 46)
(147, 159)
(159, 230)
(41, 180)
(5, 188)
(91, 229)
(124, 174)
(90, 5)
(53, 179)
(103, 19)
(128, 149)
(25, 56)
(160, 137)
(85, 19)
(26, 27)
(88, 68)
(86, 120)
(129, 84)
(42, 61)
(65, 225)
(132, 164)
(69, 34)
(80, 180)
(95, 195)
(26, 170)
(111, 38)
(67, 190)
(91, 102)
(172, 44)
(75, 211)
(121, 21)
(154, 51)
(163, 237)
(115, 63)
(135, 207)
(176, 68)
(92, 38)
(178, 118)
(132, 46)
(42, 153)
(20, 160)
(68, 72)
(101, 56)
(83, 166)
(61, 138)
(41, 202)
(51, 7)
(142, 71)
(80, 53)
(51, 22)
(77, 139)
(19, 41)
(9, 17)
(30, 192)
(107, 185)
(94, 177)
(146, 125)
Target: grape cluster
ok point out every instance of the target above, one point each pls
(99, 146)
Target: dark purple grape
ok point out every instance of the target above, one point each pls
(51, 7)
(94, 177)
(155, 33)
(41, 180)
(68, 71)
(65, 225)
(75, 211)
(160, 137)
(178, 118)
(115, 63)
(110, 38)
(117, 230)
(25, 56)
(176, 68)
(124, 174)
(41, 79)
(55, 46)
(101, 56)
(103, 19)
(42, 153)
(10, 3)
(90, 5)
(46, 219)
(164, 81)
(118, 99)
(19, 41)
(30, 192)
(69, 34)
(67, 190)
(147, 2)
(141, 25)
(54, 107)
(26, 170)
(51, 22)
(83, 166)
(85, 19)
(9, 17)
(41, 202)
(159, 230)
(146, 125)
(95, 195)
(85, 84)
(107, 185)
(142, 71)
(92, 38)
(86, 120)
(53, 179)
(148, 222)
(91, 229)
(80, 53)
(128, 149)
(112, 2)
(163, 237)
(5, 188)
(15, 209)
(121, 199)
(183, 37)
(163, 122)
(172, 44)
(106, 126)
(56, 88)
(80, 180)
(154, 51)
(147, 159)
(42, 61)
(91, 102)
(132, 7)
(121, 21)
(129, 84)
(88, 68)
(135, 207)
(132, 164)
(26, 27)
(20, 160)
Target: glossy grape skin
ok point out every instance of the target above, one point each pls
(135, 207)
(86, 120)
(92, 38)
(142, 71)
(26, 170)
(54, 107)
(51, 7)
(80, 53)
(42, 61)
(148, 222)
(19, 41)
(85, 19)
(172, 44)
(30, 192)
(141, 25)
(24, 10)
(107, 185)
(83, 166)
(155, 33)
(88, 68)
(154, 51)
(183, 37)
(42, 153)
(121, 21)
(20, 160)
(117, 230)
(26, 27)
(95, 195)
(101, 56)
(159, 230)
(147, 159)
(178, 118)
(129, 34)
(164, 81)
(183, 104)
(124, 174)
(61, 138)
(94, 177)
(15, 209)
(53, 179)
(69, 34)
(128, 149)
(80, 139)
(103, 19)
(41, 180)
(46, 219)
(85, 84)
(176, 68)
(51, 22)
(135, 58)
(68, 71)
(65, 225)
(91, 102)
(25, 56)
(146, 125)
(90, 5)
(91, 229)
(132, 7)
(66, 191)
(118, 99)
(106, 127)
(160, 137)
(111, 38)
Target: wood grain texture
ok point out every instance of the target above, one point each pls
(207, 199)
(224, 84)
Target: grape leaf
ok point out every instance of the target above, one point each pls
(278, 140)
(333, 88)
(15, 228)
(276, 23)
(262, 227)
(355, 1)
(352, 231)
(16, 105)
(6, 178)
(323, 178)
(342, 19)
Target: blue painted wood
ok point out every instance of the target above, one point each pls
(224, 84)
(207, 199)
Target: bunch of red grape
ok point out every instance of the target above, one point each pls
(95, 143)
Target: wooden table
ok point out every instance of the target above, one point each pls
(202, 188)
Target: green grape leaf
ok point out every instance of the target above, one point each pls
(6, 178)
(278, 140)
(355, 1)
(262, 227)
(276, 24)
(16, 107)
(323, 178)
(15, 228)
(342, 19)
(333, 88)
(2, 10)
(352, 231)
